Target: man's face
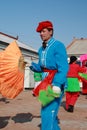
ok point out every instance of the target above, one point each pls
(45, 34)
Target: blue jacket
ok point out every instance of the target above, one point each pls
(53, 57)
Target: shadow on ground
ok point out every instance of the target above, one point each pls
(4, 121)
(18, 118)
(4, 100)
(24, 117)
(63, 104)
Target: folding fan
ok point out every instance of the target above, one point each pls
(12, 67)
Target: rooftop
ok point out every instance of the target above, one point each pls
(77, 46)
(8, 39)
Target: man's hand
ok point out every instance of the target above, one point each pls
(56, 89)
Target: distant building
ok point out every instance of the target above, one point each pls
(28, 52)
(77, 47)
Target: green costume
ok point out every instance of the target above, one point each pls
(47, 96)
(37, 76)
(73, 85)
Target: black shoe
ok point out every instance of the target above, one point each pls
(71, 108)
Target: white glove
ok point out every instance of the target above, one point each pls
(56, 89)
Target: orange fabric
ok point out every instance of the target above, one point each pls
(11, 76)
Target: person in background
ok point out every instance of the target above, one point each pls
(73, 89)
(37, 78)
(52, 58)
(84, 88)
(84, 75)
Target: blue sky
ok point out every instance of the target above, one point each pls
(21, 17)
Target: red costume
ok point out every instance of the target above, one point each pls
(84, 88)
(73, 89)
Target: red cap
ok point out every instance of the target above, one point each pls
(44, 24)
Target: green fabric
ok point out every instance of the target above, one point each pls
(47, 96)
(37, 76)
(84, 75)
(73, 85)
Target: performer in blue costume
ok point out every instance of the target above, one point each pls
(52, 56)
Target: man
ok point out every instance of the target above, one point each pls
(52, 56)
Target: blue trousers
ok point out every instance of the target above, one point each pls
(49, 114)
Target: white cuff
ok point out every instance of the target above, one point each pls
(56, 89)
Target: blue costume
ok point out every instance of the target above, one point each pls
(53, 57)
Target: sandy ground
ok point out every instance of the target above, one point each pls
(23, 113)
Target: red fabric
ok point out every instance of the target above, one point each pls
(43, 85)
(84, 88)
(71, 98)
(84, 62)
(44, 24)
(74, 69)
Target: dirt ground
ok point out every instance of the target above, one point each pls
(23, 113)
